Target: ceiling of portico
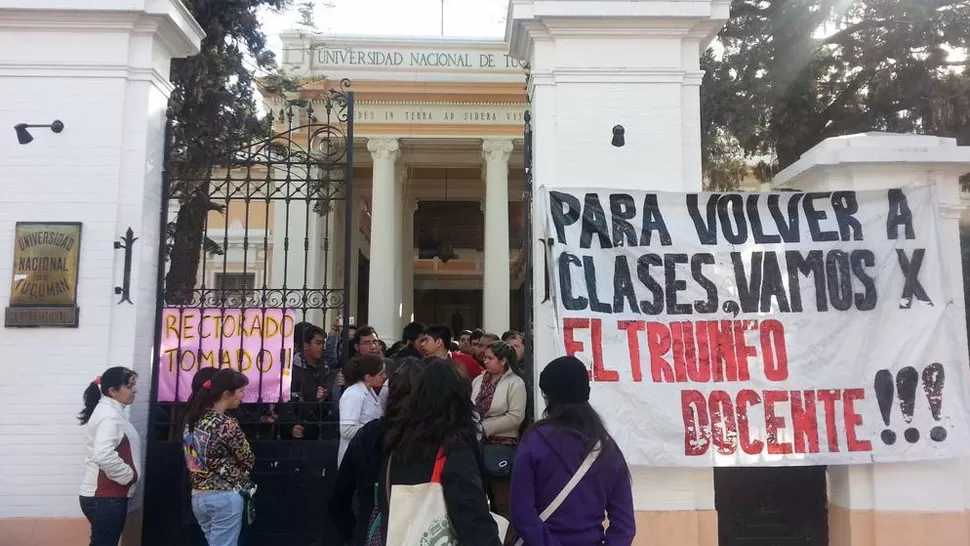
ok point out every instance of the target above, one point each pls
(441, 170)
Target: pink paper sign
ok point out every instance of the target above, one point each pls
(259, 343)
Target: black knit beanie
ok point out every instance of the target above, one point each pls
(565, 380)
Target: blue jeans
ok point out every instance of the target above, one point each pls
(107, 516)
(220, 515)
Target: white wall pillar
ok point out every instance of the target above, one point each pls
(407, 248)
(900, 503)
(102, 68)
(354, 240)
(644, 56)
(496, 283)
(385, 248)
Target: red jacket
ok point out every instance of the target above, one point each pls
(468, 362)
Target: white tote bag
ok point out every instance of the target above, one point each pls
(417, 515)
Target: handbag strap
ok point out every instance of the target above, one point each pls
(568, 488)
(439, 466)
(572, 483)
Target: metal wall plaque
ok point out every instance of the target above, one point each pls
(43, 290)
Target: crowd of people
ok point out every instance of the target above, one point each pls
(430, 427)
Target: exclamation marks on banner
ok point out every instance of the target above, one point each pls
(907, 380)
(885, 392)
(933, 378)
(905, 385)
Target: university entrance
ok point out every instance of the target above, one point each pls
(253, 245)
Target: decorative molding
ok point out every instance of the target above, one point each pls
(439, 113)
(384, 148)
(436, 103)
(170, 22)
(497, 149)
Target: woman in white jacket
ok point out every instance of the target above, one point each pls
(360, 403)
(111, 454)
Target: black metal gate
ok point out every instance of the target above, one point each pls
(252, 237)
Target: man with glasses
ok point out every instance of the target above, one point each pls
(367, 342)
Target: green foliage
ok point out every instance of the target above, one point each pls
(214, 113)
(795, 72)
(307, 19)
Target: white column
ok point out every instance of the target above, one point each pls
(407, 248)
(496, 284)
(382, 311)
(645, 56)
(400, 175)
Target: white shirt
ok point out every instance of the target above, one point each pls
(359, 405)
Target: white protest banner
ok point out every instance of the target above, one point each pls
(763, 329)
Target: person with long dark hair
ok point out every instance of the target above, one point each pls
(361, 467)
(111, 454)
(569, 441)
(218, 457)
(437, 432)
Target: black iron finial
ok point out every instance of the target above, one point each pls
(618, 138)
(127, 242)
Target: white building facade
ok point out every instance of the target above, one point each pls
(436, 225)
(438, 127)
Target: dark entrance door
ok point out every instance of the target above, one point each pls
(775, 506)
(250, 233)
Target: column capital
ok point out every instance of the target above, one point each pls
(497, 149)
(384, 148)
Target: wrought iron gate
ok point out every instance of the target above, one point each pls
(258, 235)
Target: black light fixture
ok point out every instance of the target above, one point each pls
(618, 139)
(24, 136)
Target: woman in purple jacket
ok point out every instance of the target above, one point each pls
(561, 441)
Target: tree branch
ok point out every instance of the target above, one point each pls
(869, 24)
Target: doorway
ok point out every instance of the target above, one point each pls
(772, 506)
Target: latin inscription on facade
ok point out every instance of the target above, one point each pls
(430, 114)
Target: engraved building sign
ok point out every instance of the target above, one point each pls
(43, 290)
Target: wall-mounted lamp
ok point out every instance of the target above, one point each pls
(618, 139)
(24, 136)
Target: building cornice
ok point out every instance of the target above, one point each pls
(403, 42)
(531, 21)
(170, 20)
